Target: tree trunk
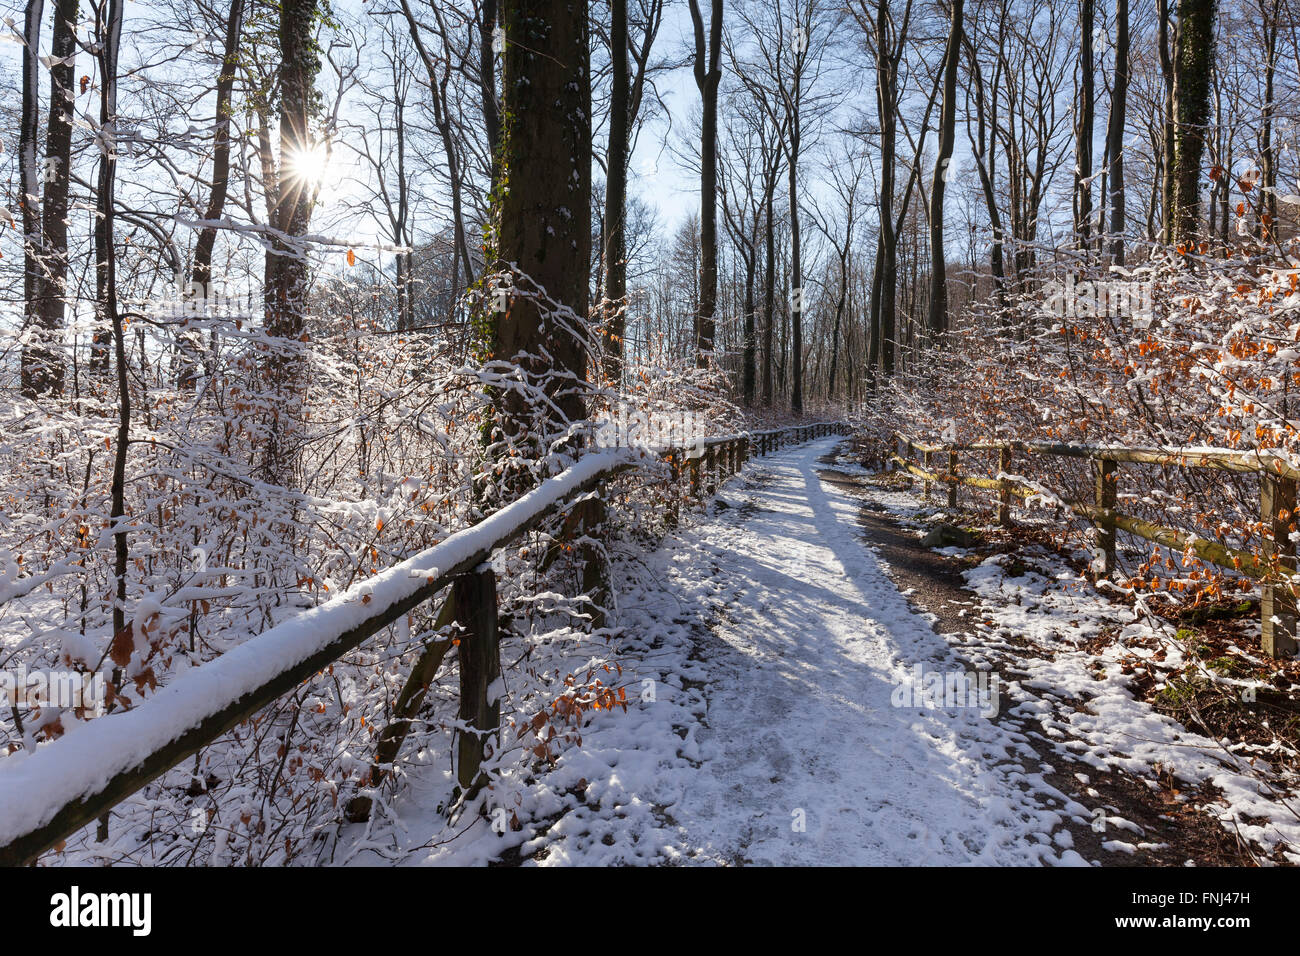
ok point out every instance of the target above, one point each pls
(1169, 73)
(1115, 133)
(1195, 60)
(707, 78)
(796, 277)
(748, 374)
(285, 286)
(835, 333)
(937, 318)
(769, 302)
(616, 195)
(107, 314)
(28, 168)
(1268, 152)
(42, 356)
(1083, 128)
(886, 104)
(201, 273)
(544, 208)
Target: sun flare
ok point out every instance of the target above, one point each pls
(308, 165)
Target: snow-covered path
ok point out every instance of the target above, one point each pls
(771, 643)
(809, 641)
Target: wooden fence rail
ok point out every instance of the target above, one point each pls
(1274, 566)
(51, 793)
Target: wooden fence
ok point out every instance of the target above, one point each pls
(1274, 565)
(51, 793)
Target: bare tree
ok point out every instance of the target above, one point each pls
(938, 311)
(28, 168)
(42, 357)
(290, 205)
(544, 231)
(707, 77)
(1083, 125)
(1115, 132)
(1194, 65)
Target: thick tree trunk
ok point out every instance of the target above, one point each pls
(1083, 128)
(796, 278)
(937, 317)
(28, 168)
(886, 104)
(707, 78)
(616, 195)
(285, 286)
(769, 301)
(1194, 66)
(544, 208)
(1169, 73)
(42, 355)
(1269, 14)
(984, 147)
(1115, 133)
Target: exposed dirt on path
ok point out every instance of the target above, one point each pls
(1173, 832)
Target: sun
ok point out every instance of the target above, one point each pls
(308, 165)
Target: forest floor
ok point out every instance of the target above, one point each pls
(771, 648)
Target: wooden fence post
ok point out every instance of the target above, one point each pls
(925, 463)
(409, 701)
(479, 655)
(1004, 488)
(1106, 501)
(952, 476)
(694, 464)
(674, 489)
(595, 575)
(1277, 606)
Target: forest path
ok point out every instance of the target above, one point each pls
(804, 757)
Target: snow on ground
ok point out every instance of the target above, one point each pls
(1032, 620)
(1112, 729)
(764, 650)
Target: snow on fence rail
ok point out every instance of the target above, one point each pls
(47, 795)
(1274, 566)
